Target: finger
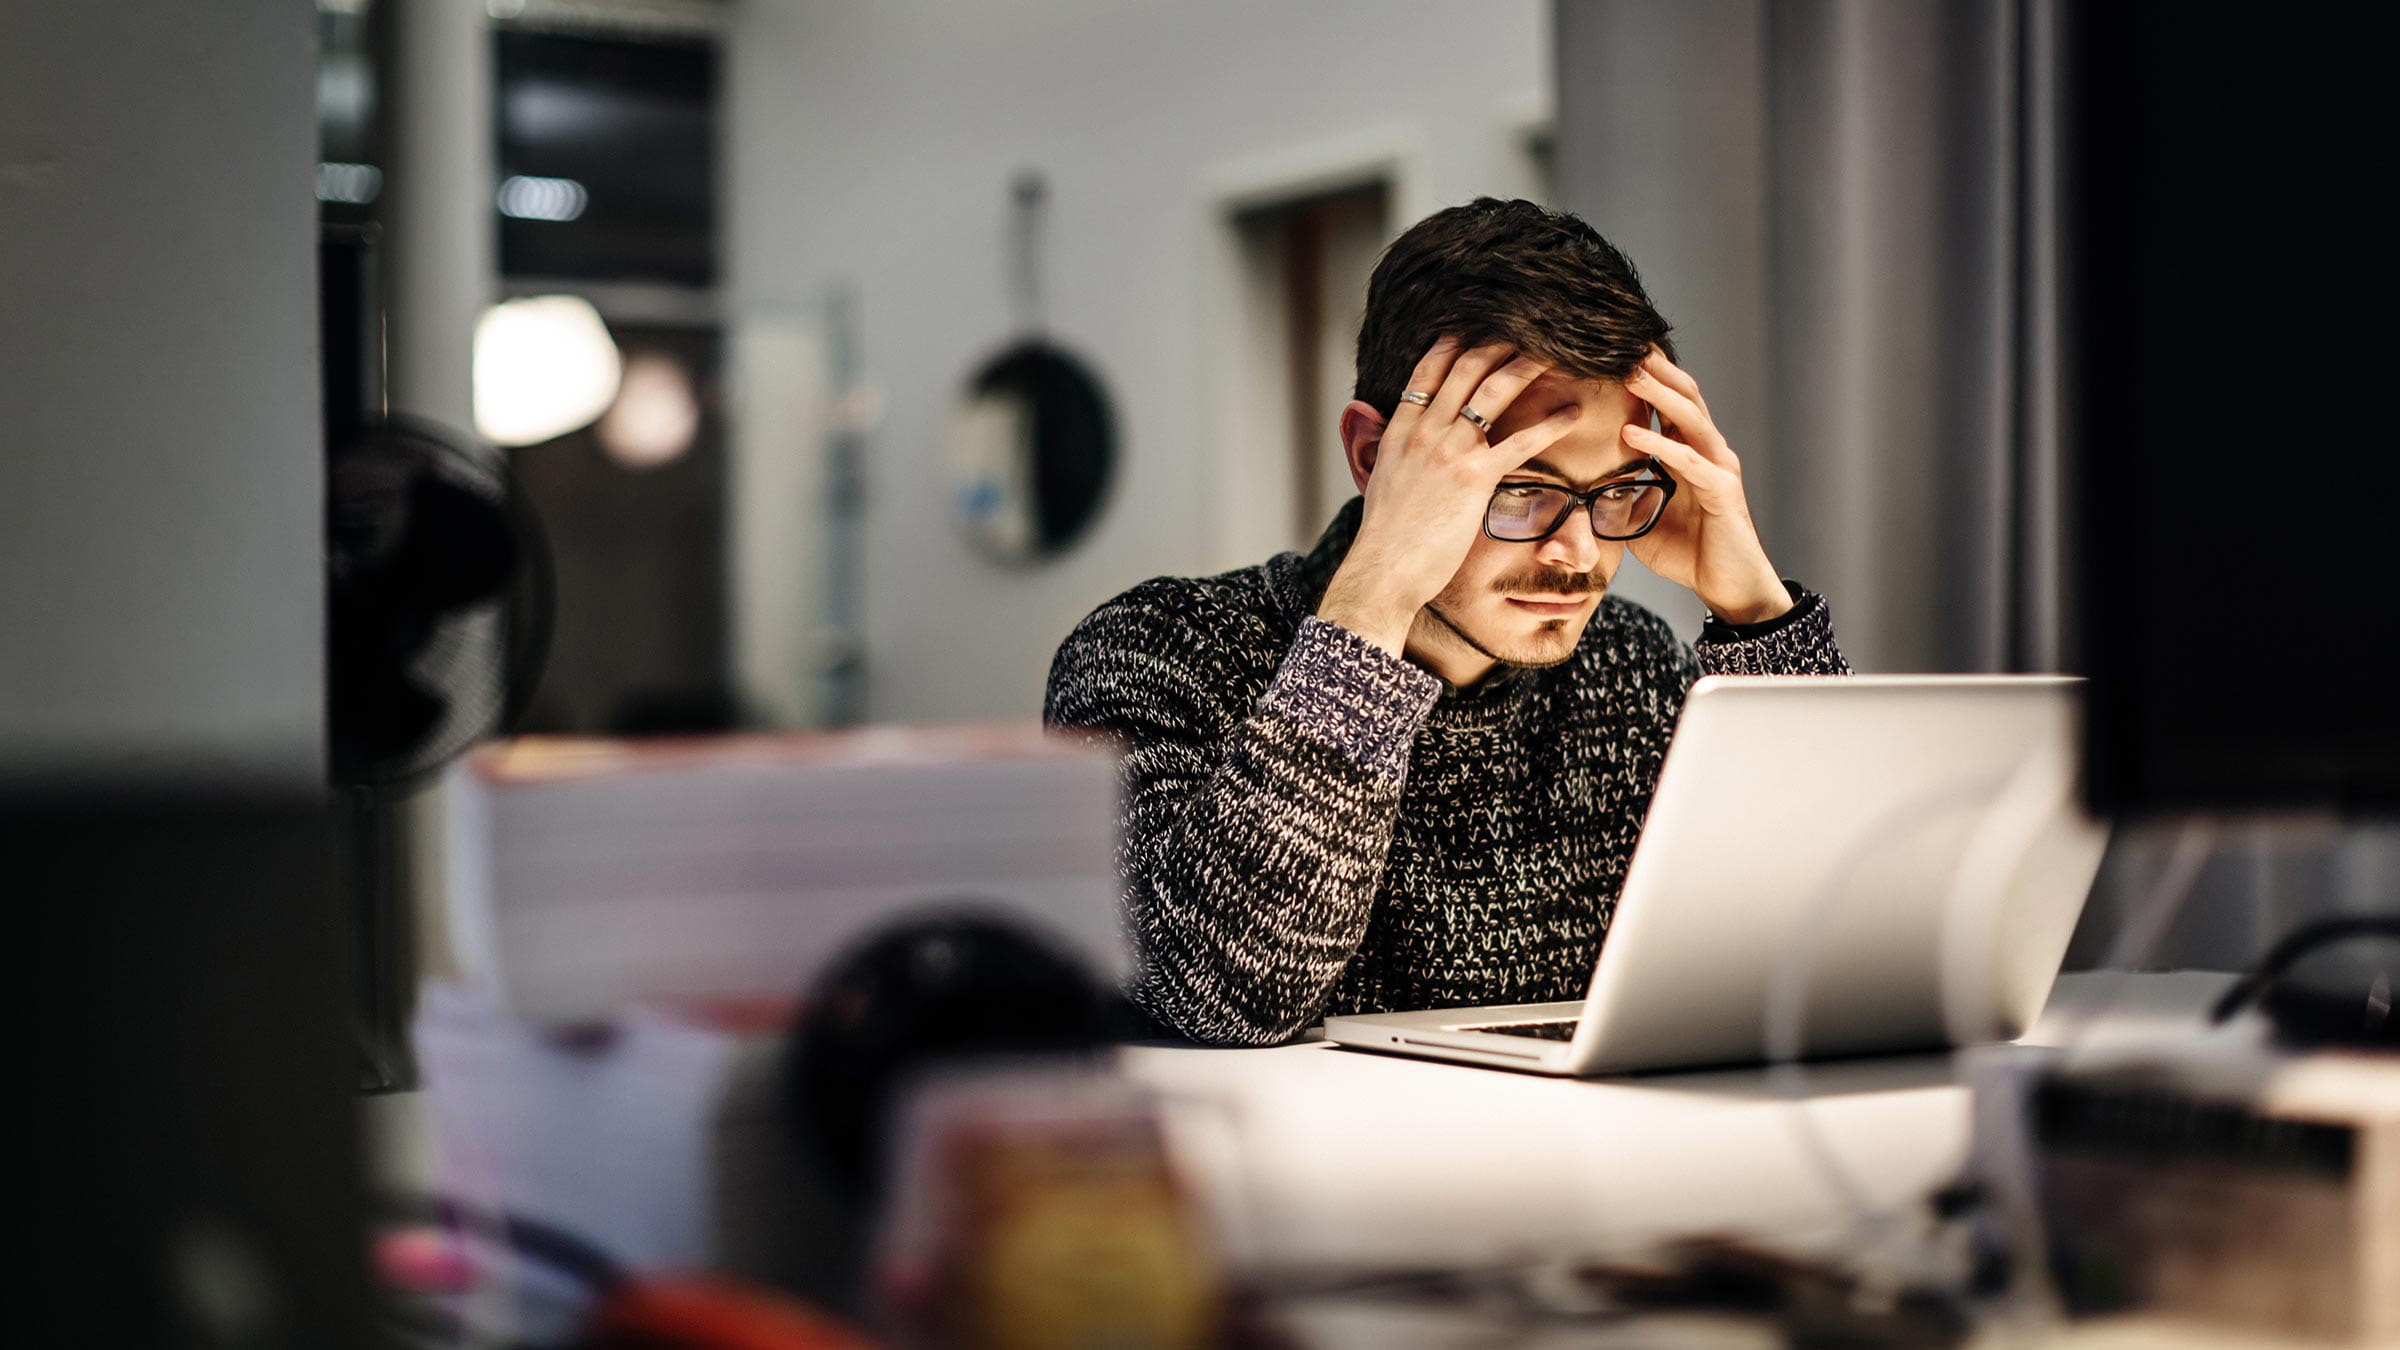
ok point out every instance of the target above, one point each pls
(1432, 369)
(1527, 442)
(1465, 374)
(1501, 388)
(1697, 472)
(1676, 378)
(1435, 364)
(1690, 419)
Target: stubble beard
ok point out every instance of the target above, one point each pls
(1536, 580)
(1542, 658)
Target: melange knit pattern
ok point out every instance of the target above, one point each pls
(1313, 825)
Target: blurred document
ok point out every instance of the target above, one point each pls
(587, 876)
(606, 1137)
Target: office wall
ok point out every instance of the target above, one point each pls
(874, 145)
(1662, 146)
(160, 574)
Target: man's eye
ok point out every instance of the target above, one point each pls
(1521, 494)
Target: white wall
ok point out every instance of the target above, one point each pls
(875, 144)
(161, 592)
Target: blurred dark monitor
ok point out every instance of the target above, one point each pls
(607, 149)
(196, 1174)
(2230, 235)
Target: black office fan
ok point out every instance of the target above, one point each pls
(439, 597)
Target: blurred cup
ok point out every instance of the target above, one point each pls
(1035, 1204)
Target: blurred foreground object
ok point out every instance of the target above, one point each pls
(2227, 1184)
(438, 605)
(705, 1313)
(912, 999)
(591, 875)
(195, 1161)
(441, 1260)
(1036, 1207)
(438, 601)
(682, 1142)
(607, 1136)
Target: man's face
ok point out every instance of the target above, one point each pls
(1527, 604)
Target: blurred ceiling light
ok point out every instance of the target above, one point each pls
(526, 198)
(544, 366)
(356, 184)
(656, 416)
(653, 18)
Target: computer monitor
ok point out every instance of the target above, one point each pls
(196, 1171)
(2230, 237)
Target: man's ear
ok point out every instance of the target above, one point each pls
(1362, 439)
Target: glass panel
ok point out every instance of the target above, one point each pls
(1524, 512)
(1625, 508)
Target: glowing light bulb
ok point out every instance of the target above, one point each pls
(544, 366)
(656, 416)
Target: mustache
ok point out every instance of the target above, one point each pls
(1546, 581)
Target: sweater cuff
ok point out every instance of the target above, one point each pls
(1798, 641)
(1353, 694)
(1714, 629)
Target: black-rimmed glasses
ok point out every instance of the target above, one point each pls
(1625, 508)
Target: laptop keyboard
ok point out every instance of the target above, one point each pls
(1544, 1031)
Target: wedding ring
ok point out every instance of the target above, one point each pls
(1416, 396)
(1482, 423)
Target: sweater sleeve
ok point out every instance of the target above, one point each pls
(1254, 837)
(1799, 642)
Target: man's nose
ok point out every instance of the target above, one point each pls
(1573, 546)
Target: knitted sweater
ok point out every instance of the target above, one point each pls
(1313, 825)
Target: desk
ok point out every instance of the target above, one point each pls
(1320, 1156)
(1314, 1156)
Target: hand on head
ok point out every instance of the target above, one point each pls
(1429, 471)
(1705, 540)
(1428, 477)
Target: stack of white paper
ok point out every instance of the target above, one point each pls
(586, 876)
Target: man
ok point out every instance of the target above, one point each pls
(1407, 769)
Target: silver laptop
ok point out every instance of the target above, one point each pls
(1829, 867)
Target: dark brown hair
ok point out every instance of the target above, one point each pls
(1494, 271)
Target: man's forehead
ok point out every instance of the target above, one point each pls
(1578, 476)
(1591, 450)
(1554, 389)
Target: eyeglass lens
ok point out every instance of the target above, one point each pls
(1527, 512)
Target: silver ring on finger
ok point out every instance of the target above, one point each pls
(1417, 396)
(1482, 423)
